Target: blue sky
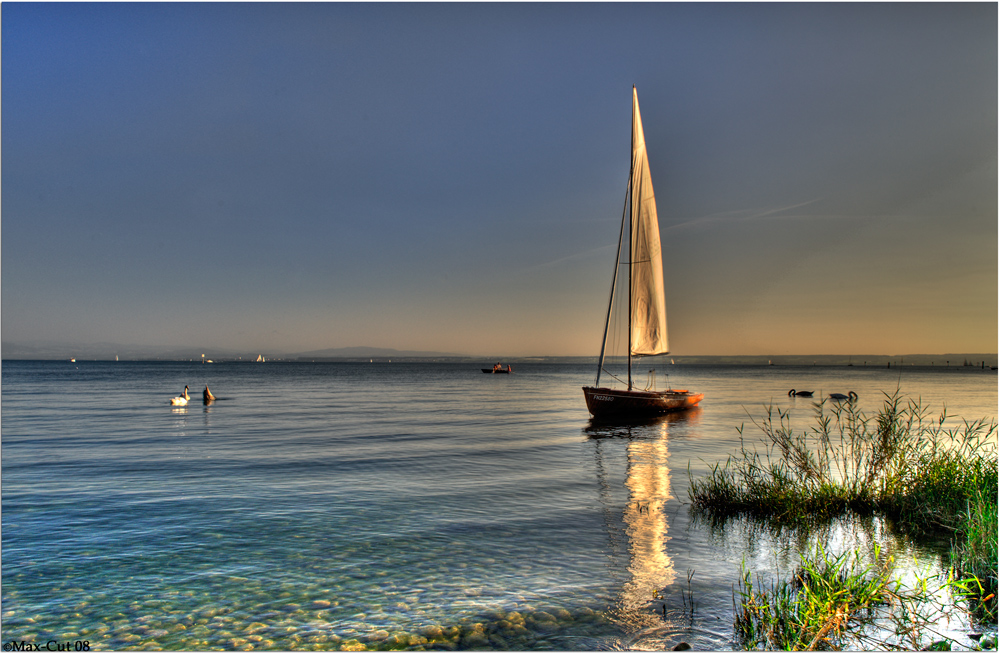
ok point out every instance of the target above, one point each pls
(291, 177)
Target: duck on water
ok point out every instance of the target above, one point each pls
(182, 399)
(836, 396)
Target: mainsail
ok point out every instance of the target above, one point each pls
(648, 310)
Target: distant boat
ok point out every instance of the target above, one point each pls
(497, 369)
(647, 330)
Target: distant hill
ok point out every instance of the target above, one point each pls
(108, 351)
(855, 360)
(352, 353)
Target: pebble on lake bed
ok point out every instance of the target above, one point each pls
(320, 624)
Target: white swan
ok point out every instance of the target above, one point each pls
(182, 400)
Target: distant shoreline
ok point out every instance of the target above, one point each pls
(938, 361)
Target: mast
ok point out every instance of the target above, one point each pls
(630, 236)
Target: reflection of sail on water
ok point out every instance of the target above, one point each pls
(638, 538)
(648, 483)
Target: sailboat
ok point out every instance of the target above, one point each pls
(647, 315)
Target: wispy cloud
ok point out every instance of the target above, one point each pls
(731, 216)
(745, 215)
(555, 262)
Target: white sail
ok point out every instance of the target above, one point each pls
(649, 312)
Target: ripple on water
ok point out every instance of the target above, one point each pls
(303, 515)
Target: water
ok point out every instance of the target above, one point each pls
(324, 506)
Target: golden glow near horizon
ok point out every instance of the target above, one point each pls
(825, 175)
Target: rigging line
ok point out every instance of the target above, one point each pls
(613, 376)
(614, 279)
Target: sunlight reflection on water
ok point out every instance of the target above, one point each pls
(317, 504)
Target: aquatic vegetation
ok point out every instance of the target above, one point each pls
(897, 462)
(974, 558)
(814, 609)
(926, 478)
(837, 602)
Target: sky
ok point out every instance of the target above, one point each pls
(450, 177)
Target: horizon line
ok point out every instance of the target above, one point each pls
(409, 355)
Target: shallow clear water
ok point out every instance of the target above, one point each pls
(392, 504)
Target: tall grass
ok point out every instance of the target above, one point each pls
(837, 602)
(974, 557)
(827, 598)
(899, 462)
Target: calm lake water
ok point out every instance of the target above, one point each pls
(320, 506)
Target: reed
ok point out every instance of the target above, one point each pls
(827, 599)
(974, 557)
(900, 463)
(842, 602)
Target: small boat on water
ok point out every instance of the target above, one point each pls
(647, 318)
(497, 369)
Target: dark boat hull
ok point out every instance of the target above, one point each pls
(607, 402)
(486, 370)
